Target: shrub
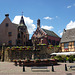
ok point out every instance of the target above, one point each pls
(73, 59)
(67, 58)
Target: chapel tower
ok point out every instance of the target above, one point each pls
(23, 35)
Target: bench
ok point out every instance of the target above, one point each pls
(70, 67)
(42, 69)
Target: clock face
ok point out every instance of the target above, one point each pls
(22, 24)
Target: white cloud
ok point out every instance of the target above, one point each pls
(69, 6)
(29, 23)
(70, 25)
(61, 33)
(56, 16)
(48, 18)
(47, 27)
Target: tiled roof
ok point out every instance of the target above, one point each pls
(68, 35)
(51, 33)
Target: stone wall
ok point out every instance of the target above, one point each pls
(45, 52)
(41, 52)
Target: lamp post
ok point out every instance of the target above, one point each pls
(41, 41)
(3, 52)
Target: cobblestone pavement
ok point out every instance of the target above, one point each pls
(8, 68)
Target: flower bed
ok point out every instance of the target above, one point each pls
(19, 48)
(38, 62)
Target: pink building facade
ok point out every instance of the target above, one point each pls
(43, 36)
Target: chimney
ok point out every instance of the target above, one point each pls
(38, 23)
(64, 30)
(6, 15)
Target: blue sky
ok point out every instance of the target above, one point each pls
(55, 15)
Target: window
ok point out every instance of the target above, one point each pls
(18, 35)
(10, 42)
(49, 41)
(9, 33)
(19, 41)
(24, 36)
(66, 45)
(57, 42)
(53, 42)
(6, 24)
(74, 43)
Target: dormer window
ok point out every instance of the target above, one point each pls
(6, 24)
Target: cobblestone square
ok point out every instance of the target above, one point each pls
(8, 68)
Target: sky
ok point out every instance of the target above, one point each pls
(55, 15)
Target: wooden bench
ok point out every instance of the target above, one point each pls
(42, 69)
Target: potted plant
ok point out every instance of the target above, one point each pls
(37, 60)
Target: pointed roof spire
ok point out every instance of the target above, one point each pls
(22, 13)
(22, 23)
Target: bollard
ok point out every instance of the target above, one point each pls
(52, 68)
(66, 67)
(15, 63)
(23, 68)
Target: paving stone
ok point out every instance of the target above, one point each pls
(8, 68)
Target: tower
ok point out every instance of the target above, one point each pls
(23, 35)
(22, 23)
(38, 23)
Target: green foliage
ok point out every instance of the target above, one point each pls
(8, 47)
(60, 58)
(41, 44)
(67, 58)
(28, 60)
(17, 46)
(37, 60)
(73, 59)
(63, 56)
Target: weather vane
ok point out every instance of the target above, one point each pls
(22, 13)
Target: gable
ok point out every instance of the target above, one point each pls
(39, 33)
(6, 20)
(68, 35)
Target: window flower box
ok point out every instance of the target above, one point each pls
(66, 49)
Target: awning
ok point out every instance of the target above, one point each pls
(63, 53)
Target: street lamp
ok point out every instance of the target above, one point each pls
(3, 52)
(41, 41)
